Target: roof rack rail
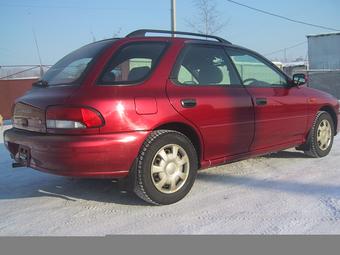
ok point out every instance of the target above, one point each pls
(142, 33)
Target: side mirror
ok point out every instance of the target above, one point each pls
(299, 79)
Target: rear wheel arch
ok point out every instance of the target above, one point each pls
(189, 132)
(158, 183)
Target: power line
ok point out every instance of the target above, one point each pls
(287, 48)
(103, 8)
(283, 17)
(6, 66)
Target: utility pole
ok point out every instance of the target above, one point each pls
(173, 16)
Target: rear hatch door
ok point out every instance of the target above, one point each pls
(29, 110)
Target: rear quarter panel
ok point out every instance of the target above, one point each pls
(122, 105)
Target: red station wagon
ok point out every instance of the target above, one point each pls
(157, 109)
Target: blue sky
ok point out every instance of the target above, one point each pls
(64, 25)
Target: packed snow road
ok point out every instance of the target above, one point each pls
(282, 193)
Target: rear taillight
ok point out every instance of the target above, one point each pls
(70, 117)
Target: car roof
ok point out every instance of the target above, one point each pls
(140, 35)
(186, 37)
(143, 32)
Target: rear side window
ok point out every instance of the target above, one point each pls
(204, 65)
(133, 63)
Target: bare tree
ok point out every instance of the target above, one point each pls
(117, 32)
(93, 36)
(208, 19)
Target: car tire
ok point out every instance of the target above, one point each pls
(166, 168)
(321, 135)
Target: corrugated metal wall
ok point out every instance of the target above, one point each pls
(328, 81)
(9, 91)
(324, 51)
(324, 63)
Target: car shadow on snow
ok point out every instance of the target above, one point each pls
(296, 187)
(29, 184)
(286, 154)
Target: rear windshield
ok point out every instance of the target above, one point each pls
(71, 68)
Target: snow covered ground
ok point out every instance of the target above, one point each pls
(283, 193)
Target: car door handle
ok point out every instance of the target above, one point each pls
(188, 103)
(261, 101)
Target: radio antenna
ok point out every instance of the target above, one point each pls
(38, 52)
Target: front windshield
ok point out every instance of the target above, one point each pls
(70, 69)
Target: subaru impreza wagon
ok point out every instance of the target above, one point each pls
(155, 109)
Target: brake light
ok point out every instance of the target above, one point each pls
(70, 117)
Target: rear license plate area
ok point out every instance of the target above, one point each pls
(24, 155)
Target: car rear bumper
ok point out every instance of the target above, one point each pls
(102, 155)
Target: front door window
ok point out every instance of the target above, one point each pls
(255, 71)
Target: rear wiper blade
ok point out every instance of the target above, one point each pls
(40, 83)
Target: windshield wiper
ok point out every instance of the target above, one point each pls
(40, 83)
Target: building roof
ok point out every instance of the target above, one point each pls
(295, 63)
(327, 34)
